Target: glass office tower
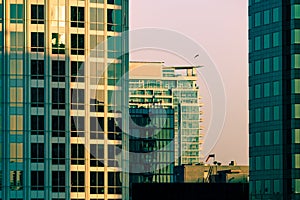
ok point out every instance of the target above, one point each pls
(171, 87)
(274, 99)
(57, 139)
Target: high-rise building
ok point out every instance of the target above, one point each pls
(274, 103)
(61, 63)
(171, 87)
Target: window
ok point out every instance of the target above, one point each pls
(58, 71)
(37, 69)
(16, 41)
(267, 114)
(276, 113)
(257, 115)
(276, 161)
(257, 45)
(58, 126)
(258, 139)
(16, 152)
(37, 14)
(276, 185)
(114, 20)
(97, 19)
(296, 11)
(58, 153)
(276, 63)
(16, 180)
(268, 138)
(37, 124)
(296, 86)
(268, 162)
(77, 181)
(276, 139)
(37, 97)
(97, 155)
(275, 14)
(58, 98)
(77, 17)
(37, 42)
(37, 152)
(267, 65)
(77, 71)
(258, 163)
(296, 161)
(77, 44)
(267, 89)
(37, 180)
(276, 88)
(257, 91)
(296, 61)
(97, 182)
(296, 111)
(257, 19)
(114, 180)
(296, 135)
(266, 16)
(58, 43)
(116, 2)
(77, 154)
(267, 41)
(296, 36)
(276, 39)
(257, 67)
(16, 97)
(58, 181)
(297, 186)
(16, 68)
(77, 126)
(16, 13)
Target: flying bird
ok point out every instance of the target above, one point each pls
(196, 56)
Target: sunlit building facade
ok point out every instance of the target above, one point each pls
(274, 103)
(152, 83)
(61, 64)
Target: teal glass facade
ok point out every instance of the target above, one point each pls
(274, 99)
(59, 138)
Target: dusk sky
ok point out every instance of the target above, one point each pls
(220, 28)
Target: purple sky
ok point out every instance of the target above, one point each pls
(220, 27)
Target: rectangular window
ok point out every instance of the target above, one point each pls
(37, 14)
(275, 14)
(296, 136)
(276, 39)
(58, 98)
(16, 180)
(58, 126)
(276, 113)
(296, 61)
(257, 115)
(58, 43)
(77, 71)
(77, 17)
(58, 71)
(16, 13)
(296, 11)
(267, 89)
(16, 41)
(257, 19)
(276, 137)
(267, 41)
(257, 44)
(268, 162)
(58, 153)
(297, 183)
(77, 154)
(258, 139)
(276, 88)
(296, 161)
(37, 152)
(257, 67)
(266, 16)
(37, 42)
(296, 86)
(296, 111)
(16, 152)
(16, 97)
(268, 138)
(97, 19)
(58, 181)
(97, 182)
(37, 124)
(258, 163)
(267, 65)
(37, 97)
(37, 69)
(77, 181)
(114, 20)
(37, 180)
(277, 162)
(77, 44)
(16, 68)
(276, 63)
(257, 91)
(267, 114)
(296, 36)
(276, 185)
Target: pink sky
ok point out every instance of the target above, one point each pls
(220, 27)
